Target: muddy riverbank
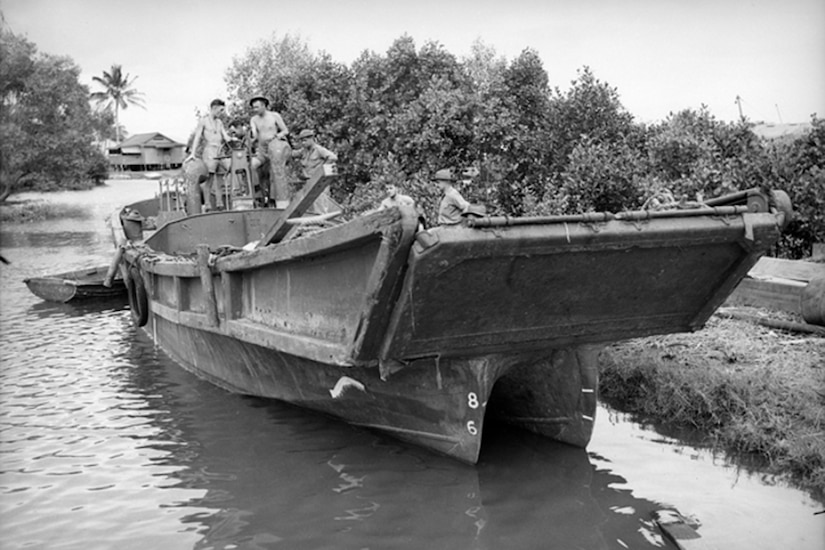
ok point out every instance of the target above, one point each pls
(746, 387)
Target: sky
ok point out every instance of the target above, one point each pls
(662, 56)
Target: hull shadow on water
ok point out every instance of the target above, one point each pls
(271, 474)
(94, 306)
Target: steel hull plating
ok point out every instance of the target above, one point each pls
(421, 334)
(437, 404)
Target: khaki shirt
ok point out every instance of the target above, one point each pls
(451, 207)
(314, 157)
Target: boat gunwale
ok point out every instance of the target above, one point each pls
(393, 228)
(753, 229)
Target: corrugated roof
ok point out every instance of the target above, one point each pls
(150, 139)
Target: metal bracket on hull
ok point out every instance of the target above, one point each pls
(387, 367)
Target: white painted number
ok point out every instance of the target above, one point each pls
(471, 427)
(472, 400)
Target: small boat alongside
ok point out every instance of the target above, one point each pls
(424, 334)
(73, 286)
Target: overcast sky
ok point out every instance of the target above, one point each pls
(661, 55)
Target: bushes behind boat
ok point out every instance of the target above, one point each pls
(532, 149)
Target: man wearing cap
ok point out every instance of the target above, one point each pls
(452, 203)
(269, 130)
(312, 154)
(210, 129)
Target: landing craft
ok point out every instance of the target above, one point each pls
(423, 334)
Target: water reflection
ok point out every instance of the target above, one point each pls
(98, 306)
(266, 472)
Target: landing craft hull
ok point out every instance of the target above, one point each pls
(423, 334)
(436, 404)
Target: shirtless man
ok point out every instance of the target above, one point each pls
(211, 130)
(394, 198)
(269, 130)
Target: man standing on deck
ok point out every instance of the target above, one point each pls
(270, 132)
(210, 129)
(394, 198)
(312, 154)
(452, 204)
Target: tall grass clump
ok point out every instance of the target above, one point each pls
(748, 388)
(33, 211)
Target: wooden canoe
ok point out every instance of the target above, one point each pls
(81, 284)
(423, 334)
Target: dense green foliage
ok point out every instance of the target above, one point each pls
(800, 166)
(46, 122)
(524, 147)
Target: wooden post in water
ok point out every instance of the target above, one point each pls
(110, 275)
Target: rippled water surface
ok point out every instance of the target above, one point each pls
(106, 443)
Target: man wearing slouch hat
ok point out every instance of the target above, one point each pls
(270, 131)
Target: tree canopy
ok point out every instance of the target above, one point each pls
(118, 93)
(523, 147)
(45, 120)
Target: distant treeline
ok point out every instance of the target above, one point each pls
(47, 125)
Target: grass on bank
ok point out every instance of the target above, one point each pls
(34, 211)
(748, 387)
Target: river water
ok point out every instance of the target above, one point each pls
(106, 443)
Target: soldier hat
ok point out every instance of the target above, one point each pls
(445, 174)
(259, 98)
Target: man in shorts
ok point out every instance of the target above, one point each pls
(210, 130)
(269, 131)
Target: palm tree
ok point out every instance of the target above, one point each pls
(119, 92)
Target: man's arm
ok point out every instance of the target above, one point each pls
(459, 200)
(253, 129)
(326, 154)
(282, 129)
(224, 134)
(197, 141)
